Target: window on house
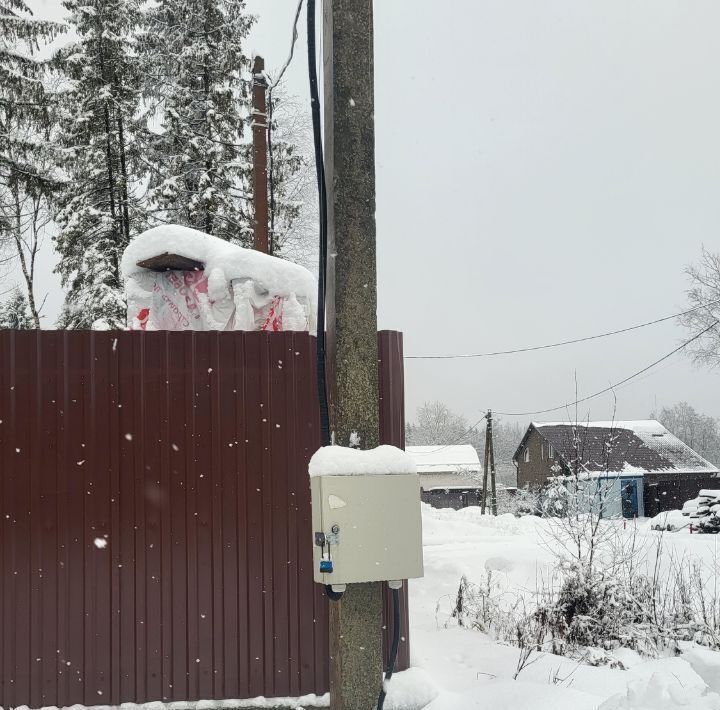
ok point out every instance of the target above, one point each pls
(551, 451)
(526, 455)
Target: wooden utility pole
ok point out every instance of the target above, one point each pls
(356, 620)
(489, 464)
(492, 463)
(486, 458)
(260, 155)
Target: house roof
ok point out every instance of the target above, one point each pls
(444, 459)
(633, 447)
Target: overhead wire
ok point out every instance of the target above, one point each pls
(610, 388)
(616, 384)
(292, 47)
(319, 161)
(564, 342)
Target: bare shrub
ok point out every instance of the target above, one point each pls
(631, 596)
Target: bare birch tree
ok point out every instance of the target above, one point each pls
(704, 289)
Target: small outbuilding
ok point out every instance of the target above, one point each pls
(642, 468)
(450, 476)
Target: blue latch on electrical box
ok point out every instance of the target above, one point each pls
(326, 566)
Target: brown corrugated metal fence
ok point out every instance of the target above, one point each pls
(155, 515)
(392, 431)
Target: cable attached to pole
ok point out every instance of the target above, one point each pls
(332, 595)
(322, 203)
(322, 283)
(394, 649)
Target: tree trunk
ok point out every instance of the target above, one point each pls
(28, 270)
(109, 163)
(124, 182)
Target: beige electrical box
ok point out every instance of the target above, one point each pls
(367, 528)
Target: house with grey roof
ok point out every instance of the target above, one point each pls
(650, 468)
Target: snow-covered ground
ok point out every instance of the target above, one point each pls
(460, 669)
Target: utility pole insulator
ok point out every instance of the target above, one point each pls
(260, 155)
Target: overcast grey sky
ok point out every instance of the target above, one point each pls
(545, 171)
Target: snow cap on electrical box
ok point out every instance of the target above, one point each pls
(343, 461)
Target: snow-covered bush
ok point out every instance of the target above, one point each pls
(519, 503)
(597, 608)
(628, 595)
(555, 499)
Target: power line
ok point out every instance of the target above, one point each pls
(564, 342)
(472, 430)
(616, 385)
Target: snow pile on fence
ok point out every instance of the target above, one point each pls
(707, 513)
(221, 286)
(343, 461)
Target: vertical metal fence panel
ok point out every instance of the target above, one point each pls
(392, 431)
(155, 515)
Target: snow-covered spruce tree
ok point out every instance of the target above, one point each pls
(15, 313)
(197, 84)
(98, 209)
(25, 118)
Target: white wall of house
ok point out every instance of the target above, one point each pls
(441, 480)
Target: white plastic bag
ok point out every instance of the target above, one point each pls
(193, 300)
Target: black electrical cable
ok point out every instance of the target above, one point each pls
(332, 595)
(471, 431)
(322, 202)
(564, 342)
(615, 384)
(394, 649)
